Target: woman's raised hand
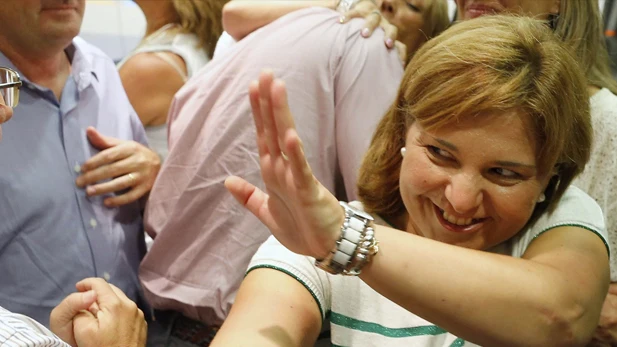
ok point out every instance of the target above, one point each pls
(301, 213)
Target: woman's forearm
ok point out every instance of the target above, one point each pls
(242, 17)
(483, 297)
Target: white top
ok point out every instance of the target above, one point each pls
(224, 44)
(599, 179)
(186, 46)
(379, 321)
(19, 330)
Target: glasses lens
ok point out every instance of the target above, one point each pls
(9, 87)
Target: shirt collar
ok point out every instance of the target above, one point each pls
(82, 69)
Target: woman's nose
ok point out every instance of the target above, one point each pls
(387, 6)
(464, 194)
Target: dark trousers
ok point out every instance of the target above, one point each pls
(172, 329)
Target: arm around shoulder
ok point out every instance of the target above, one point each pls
(242, 17)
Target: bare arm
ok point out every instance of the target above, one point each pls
(271, 309)
(550, 297)
(242, 17)
(150, 84)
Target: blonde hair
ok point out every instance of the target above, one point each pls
(579, 25)
(436, 17)
(202, 18)
(488, 65)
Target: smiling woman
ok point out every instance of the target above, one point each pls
(468, 160)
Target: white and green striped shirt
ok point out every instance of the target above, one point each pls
(378, 321)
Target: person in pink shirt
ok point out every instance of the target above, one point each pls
(341, 84)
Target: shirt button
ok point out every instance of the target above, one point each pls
(77, 168)
(93, 223)
(106, 276)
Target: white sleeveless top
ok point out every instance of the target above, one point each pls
(186, 46)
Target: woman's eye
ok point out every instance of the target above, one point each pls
(505, 173)
(440, 153)
(413, 7)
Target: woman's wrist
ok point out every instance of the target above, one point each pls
(355, 246)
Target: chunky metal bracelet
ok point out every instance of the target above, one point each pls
(355, 247)
(363, 254)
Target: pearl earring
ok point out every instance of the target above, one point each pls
(403, 151)
(541, 198)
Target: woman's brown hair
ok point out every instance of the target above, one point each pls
(487, 65)
(579, 25)
(203, 18)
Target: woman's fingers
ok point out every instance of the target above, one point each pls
(303, 179)
(265, 107)
(373, 19)
(262, 146)
(390, 33)
(401, 49)
(283, 120)
(252, 198)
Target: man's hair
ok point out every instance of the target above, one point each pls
(488, 65)
(202, 18)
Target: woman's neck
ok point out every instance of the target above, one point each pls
(158, 14)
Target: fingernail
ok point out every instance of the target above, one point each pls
(365, 32)
(79, 182)
(89, 296)
(341, 19)
(90, 190)
(389, 43)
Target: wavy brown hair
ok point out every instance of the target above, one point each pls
(487, 65)
(579, 24)
(203, 18)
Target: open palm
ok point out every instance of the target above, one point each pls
(303, 215)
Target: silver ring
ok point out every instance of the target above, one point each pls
(131, 178)
(376, 12)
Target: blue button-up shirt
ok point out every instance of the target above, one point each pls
(51, 234)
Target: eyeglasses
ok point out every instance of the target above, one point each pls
(10, 82)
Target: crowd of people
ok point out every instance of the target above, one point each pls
(306, 173)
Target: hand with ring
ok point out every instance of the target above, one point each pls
(124, 164)
(369, 10)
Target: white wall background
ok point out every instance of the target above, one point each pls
(115, 26)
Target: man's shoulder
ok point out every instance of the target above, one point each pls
(89, 50)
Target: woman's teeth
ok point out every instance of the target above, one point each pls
(457, 221)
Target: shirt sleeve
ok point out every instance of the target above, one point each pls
(575, 208)
(367, 80)
(19, 330)
(273, 255)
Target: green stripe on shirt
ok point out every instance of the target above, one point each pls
(355, 324)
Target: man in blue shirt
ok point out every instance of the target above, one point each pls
(74, 163)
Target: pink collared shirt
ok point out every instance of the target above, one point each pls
(339, 86)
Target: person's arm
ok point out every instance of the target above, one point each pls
(242, 17)
(550, 297)
(150, 84)
(271, 309)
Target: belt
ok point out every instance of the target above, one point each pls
(187, 329)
